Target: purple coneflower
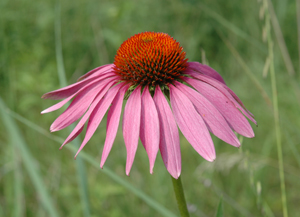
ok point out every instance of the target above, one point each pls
(149, 67)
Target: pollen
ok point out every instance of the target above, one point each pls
(150, 58)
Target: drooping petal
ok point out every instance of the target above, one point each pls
(113, 119)
(72, 136)
(222, 88)
(88, 87)
(205, 69)
(234, 117)
(79, 105)
(65, 91)
(191, 124)
(82, 121)
(212, 117)
(149, 129)
(96, 72)
(131, 126)
(71, 89)
(239, 101)
(98, 113)
(169, 137)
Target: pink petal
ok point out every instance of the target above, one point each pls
(239, 101)
(81, 123)
(85, 88)
(222, 88)
(149, 129)
(234, 117)
(65, 91)
(191, 124)
(97, 71)
(131, 125)
(205, 69)
(169, 138)
(113, 119)
(212, 117)
(79, 105)
(73, 88)
(72, 136)
(98, 113)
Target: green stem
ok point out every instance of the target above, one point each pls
(276, 117)
(177, 185)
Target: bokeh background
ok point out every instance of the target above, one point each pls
(40, 40)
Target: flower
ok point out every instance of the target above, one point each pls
(149, 67)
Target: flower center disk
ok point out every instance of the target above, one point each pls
(150, 58)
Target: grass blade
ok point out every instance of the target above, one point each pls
(280, 39)
(276, 117)
(220, 208)
(20, 144)
(293, 147)
(283, 47)
(58, 47)
(18, 184)
(81, 174)
(298, 27)
(246, 69)
(233, 28)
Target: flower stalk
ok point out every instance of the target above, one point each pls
(276, 114)
(181, 203)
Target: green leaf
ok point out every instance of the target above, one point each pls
(220, 208)
(18, 184)
(17, 139)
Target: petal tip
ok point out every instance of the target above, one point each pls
(77, 154)
(251, 134)
(44, 111)
(128, 170)
(60, 148)
(211, 158)
(102, 163)
(237, 143)
(151, 170)
(53, 130)
(176, 175)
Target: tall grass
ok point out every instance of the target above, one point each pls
(42, 40)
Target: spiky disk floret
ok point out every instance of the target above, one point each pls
(150, 58)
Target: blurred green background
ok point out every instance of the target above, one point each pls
(36, 179)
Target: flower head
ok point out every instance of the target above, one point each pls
(149, 67)
(150, 59)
